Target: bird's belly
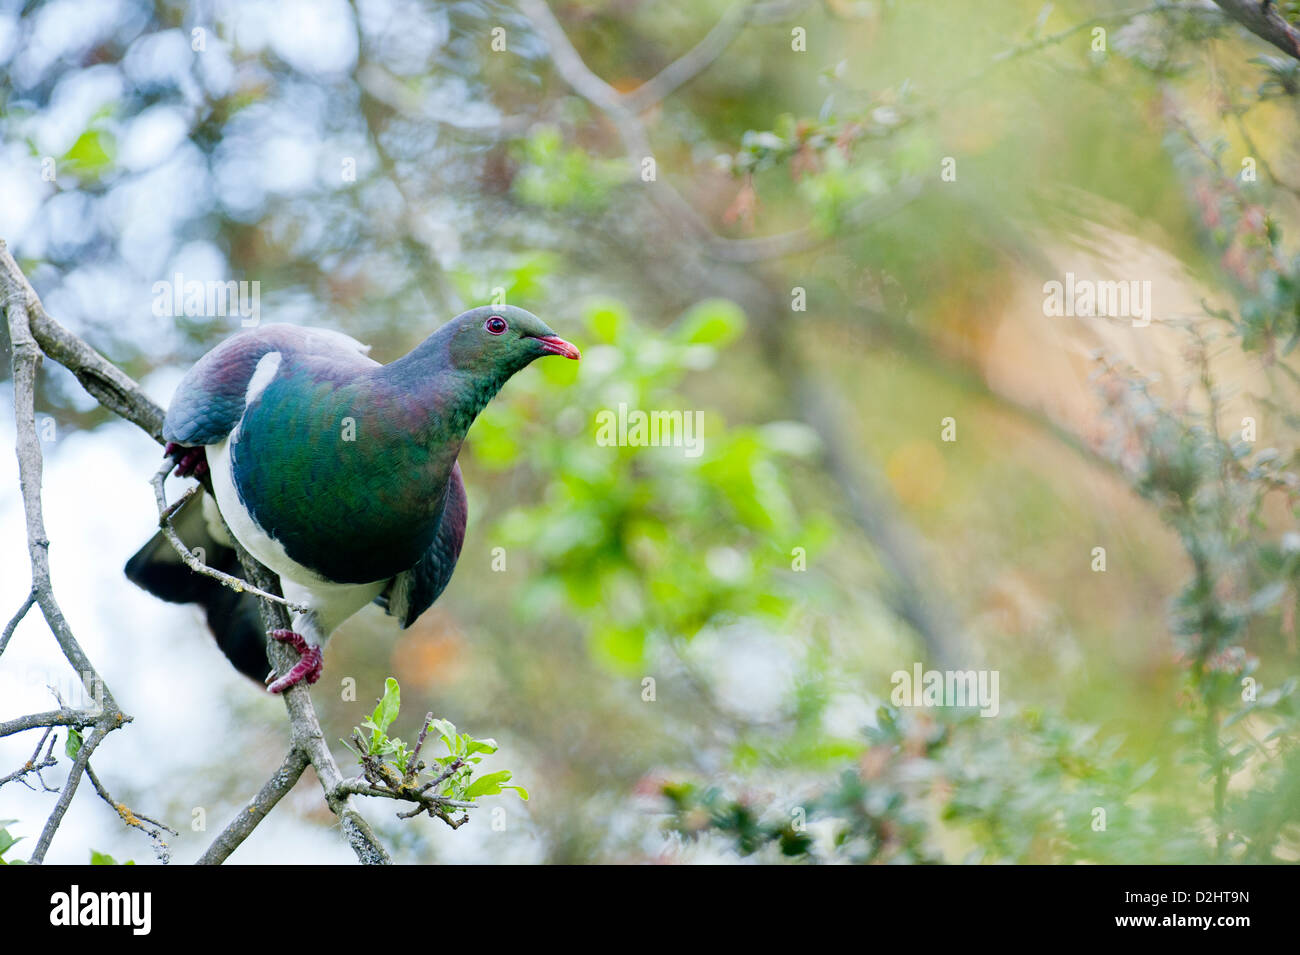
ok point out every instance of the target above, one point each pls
(330, 603)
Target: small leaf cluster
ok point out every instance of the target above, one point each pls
(443, 782)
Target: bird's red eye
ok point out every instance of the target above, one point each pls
(496, 325)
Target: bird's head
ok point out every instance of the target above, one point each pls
(498, 340)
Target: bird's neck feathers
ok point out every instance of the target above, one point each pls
(446, 393)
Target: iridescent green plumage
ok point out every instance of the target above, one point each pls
(341, 473)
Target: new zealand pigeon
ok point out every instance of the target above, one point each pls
(336, 472)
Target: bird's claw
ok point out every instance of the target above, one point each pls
(307, 668)
(190, 462)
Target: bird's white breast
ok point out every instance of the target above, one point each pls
(255, 540)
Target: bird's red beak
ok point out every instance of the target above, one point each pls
(555, 345)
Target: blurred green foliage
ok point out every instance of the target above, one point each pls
(7, 842)
(664, 542)
(627, 563)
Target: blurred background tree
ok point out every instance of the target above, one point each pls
(827, 227)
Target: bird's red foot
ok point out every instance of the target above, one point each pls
(308, 668)
(190, 462)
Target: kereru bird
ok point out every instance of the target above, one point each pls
(336, 472)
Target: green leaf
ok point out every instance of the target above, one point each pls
(101, 858)
(606, 320)
(622, 648)
(489, 785)
(388, 707)
(481, 746)
(72, 745)
(714, 321)
(92, 152)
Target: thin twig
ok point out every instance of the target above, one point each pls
(150, 827)
(700, 57)
(60, 717)
(108, 384)
(419, 743)
(165, 514)
(16, 619)
(33, 766)
(445, 775)
(358, 786)
(622, 112)
(435, 806)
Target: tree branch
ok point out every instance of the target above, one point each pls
(108, 384)
(690, 64)
(165, 514)
(622, 112)
(381, 778)
(59, 717)
(150, 827)
(1262, 18)
(305, 729)
(36, 763)
(15, 620)
(242, 826)
(33, 333)
(20, 304)
(433, 805)
(700, 57)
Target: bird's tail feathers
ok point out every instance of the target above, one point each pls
(235, 619)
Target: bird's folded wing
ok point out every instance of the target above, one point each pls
(212, 396)
(413, 591)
